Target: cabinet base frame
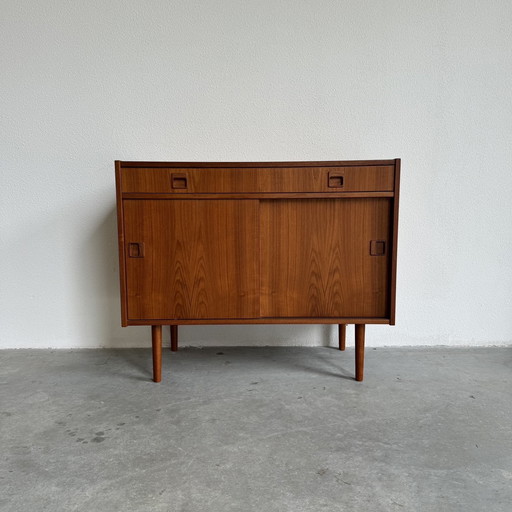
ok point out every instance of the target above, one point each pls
(260, 320)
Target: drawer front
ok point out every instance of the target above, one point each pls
(377, 178)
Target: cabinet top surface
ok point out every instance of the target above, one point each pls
(327, 163)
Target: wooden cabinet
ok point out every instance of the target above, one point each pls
(286, 242)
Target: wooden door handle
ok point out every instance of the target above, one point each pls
(179, 180)
(335, 180)
(377, 248)
(136, 250)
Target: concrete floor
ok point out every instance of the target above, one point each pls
(256, 429)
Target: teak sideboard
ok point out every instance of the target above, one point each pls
(257, 243)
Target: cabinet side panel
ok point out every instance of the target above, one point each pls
(394, 254)
(316, 258)
(199, 259)
(120, 238)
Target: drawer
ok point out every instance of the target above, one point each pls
(377, 178)
(373, 178)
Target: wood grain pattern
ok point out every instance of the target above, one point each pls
(258, 180)
(315, 258)
(201, 259)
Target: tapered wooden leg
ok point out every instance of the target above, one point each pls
(342, 333)
(174, 338)
(360, 351)
(156, 339)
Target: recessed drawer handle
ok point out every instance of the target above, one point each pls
(377, 248)
(136, 250)
(179, 180)
(335, 180)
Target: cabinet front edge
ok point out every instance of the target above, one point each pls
(234, 321)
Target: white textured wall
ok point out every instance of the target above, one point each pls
(84, 83)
